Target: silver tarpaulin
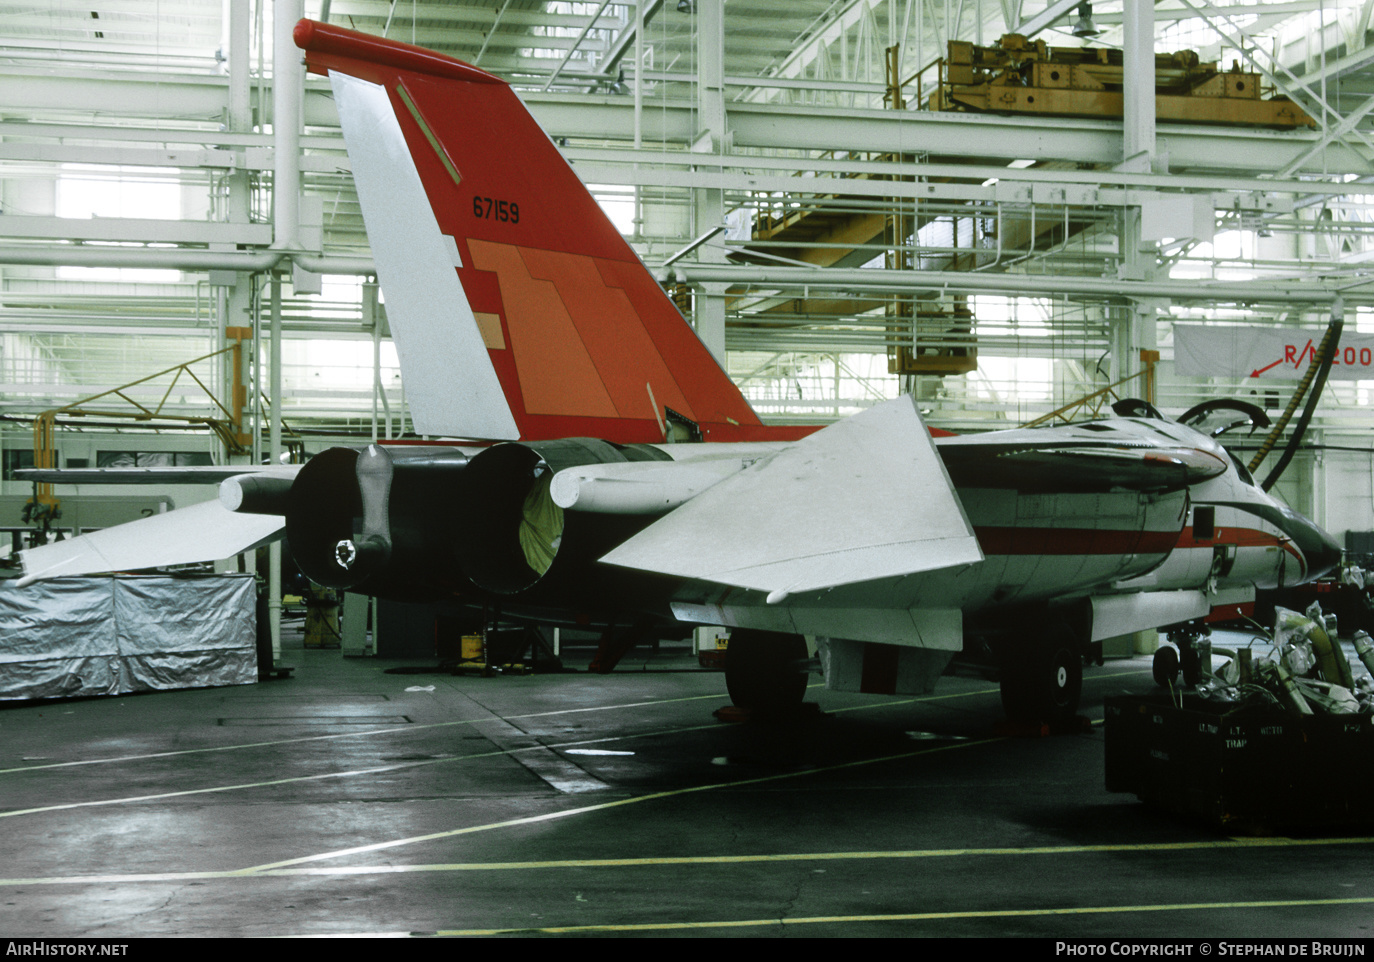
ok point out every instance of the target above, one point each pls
(109, 636)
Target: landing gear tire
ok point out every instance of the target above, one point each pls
(1044, 684)
(1190, 661)
(1194, 651)
(763, 671)
(1165, 666)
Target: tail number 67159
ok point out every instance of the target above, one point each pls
(490, 209)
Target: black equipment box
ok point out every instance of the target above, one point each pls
(1243, 769)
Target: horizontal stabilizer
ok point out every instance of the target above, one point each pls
(865, 498)
(202, 532)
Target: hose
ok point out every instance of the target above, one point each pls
(1319, 368)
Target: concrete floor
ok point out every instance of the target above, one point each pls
(340, 803)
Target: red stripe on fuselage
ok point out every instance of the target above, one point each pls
(1013, 540)
(1240, 537)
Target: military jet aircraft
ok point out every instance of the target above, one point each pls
(612, 474)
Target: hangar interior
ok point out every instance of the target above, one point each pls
(1008, 209)
(873, 229)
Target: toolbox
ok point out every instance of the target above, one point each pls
(1244, 769)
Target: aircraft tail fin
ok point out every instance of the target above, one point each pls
(517, 308)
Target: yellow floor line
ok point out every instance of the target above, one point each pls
(885, 703)
(437, 761)
(376, 731)
(603, 806)
(299, 779)
(1232, 844)
(550, 816)
(1145, 847)
(912, 917)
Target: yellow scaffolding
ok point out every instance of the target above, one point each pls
(229, 429)
(1094, 402)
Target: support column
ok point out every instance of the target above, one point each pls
(239, 118)
(1320, 510)
(237, 288)
(1138, 50)
(638, 228)
(288, 91)
(1139, 153)
(711, 132)
(274, 432)
(708, 313)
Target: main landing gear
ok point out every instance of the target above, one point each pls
(1042, 680)
(765, 671)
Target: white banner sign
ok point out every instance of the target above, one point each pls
(1267, 353)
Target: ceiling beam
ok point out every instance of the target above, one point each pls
(1046, 17)
(625, 40)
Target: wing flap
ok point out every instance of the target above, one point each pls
(201, 532)
(865, 498)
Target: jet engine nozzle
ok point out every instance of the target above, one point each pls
(515, 535)
(372, 521)
(324, 512)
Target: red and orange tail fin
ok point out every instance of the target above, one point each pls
(517, 308)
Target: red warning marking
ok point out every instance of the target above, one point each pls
(1348, 356)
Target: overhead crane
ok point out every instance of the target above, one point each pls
(1021, 76)
(1016, 75)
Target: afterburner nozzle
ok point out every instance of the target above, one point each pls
(367, 551)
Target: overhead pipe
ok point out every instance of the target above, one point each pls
(183, 259)
(253, 262)
(1024, 284)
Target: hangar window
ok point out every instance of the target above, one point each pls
(87, 191)
(151, 459)
(15, 459)
(618, 204)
